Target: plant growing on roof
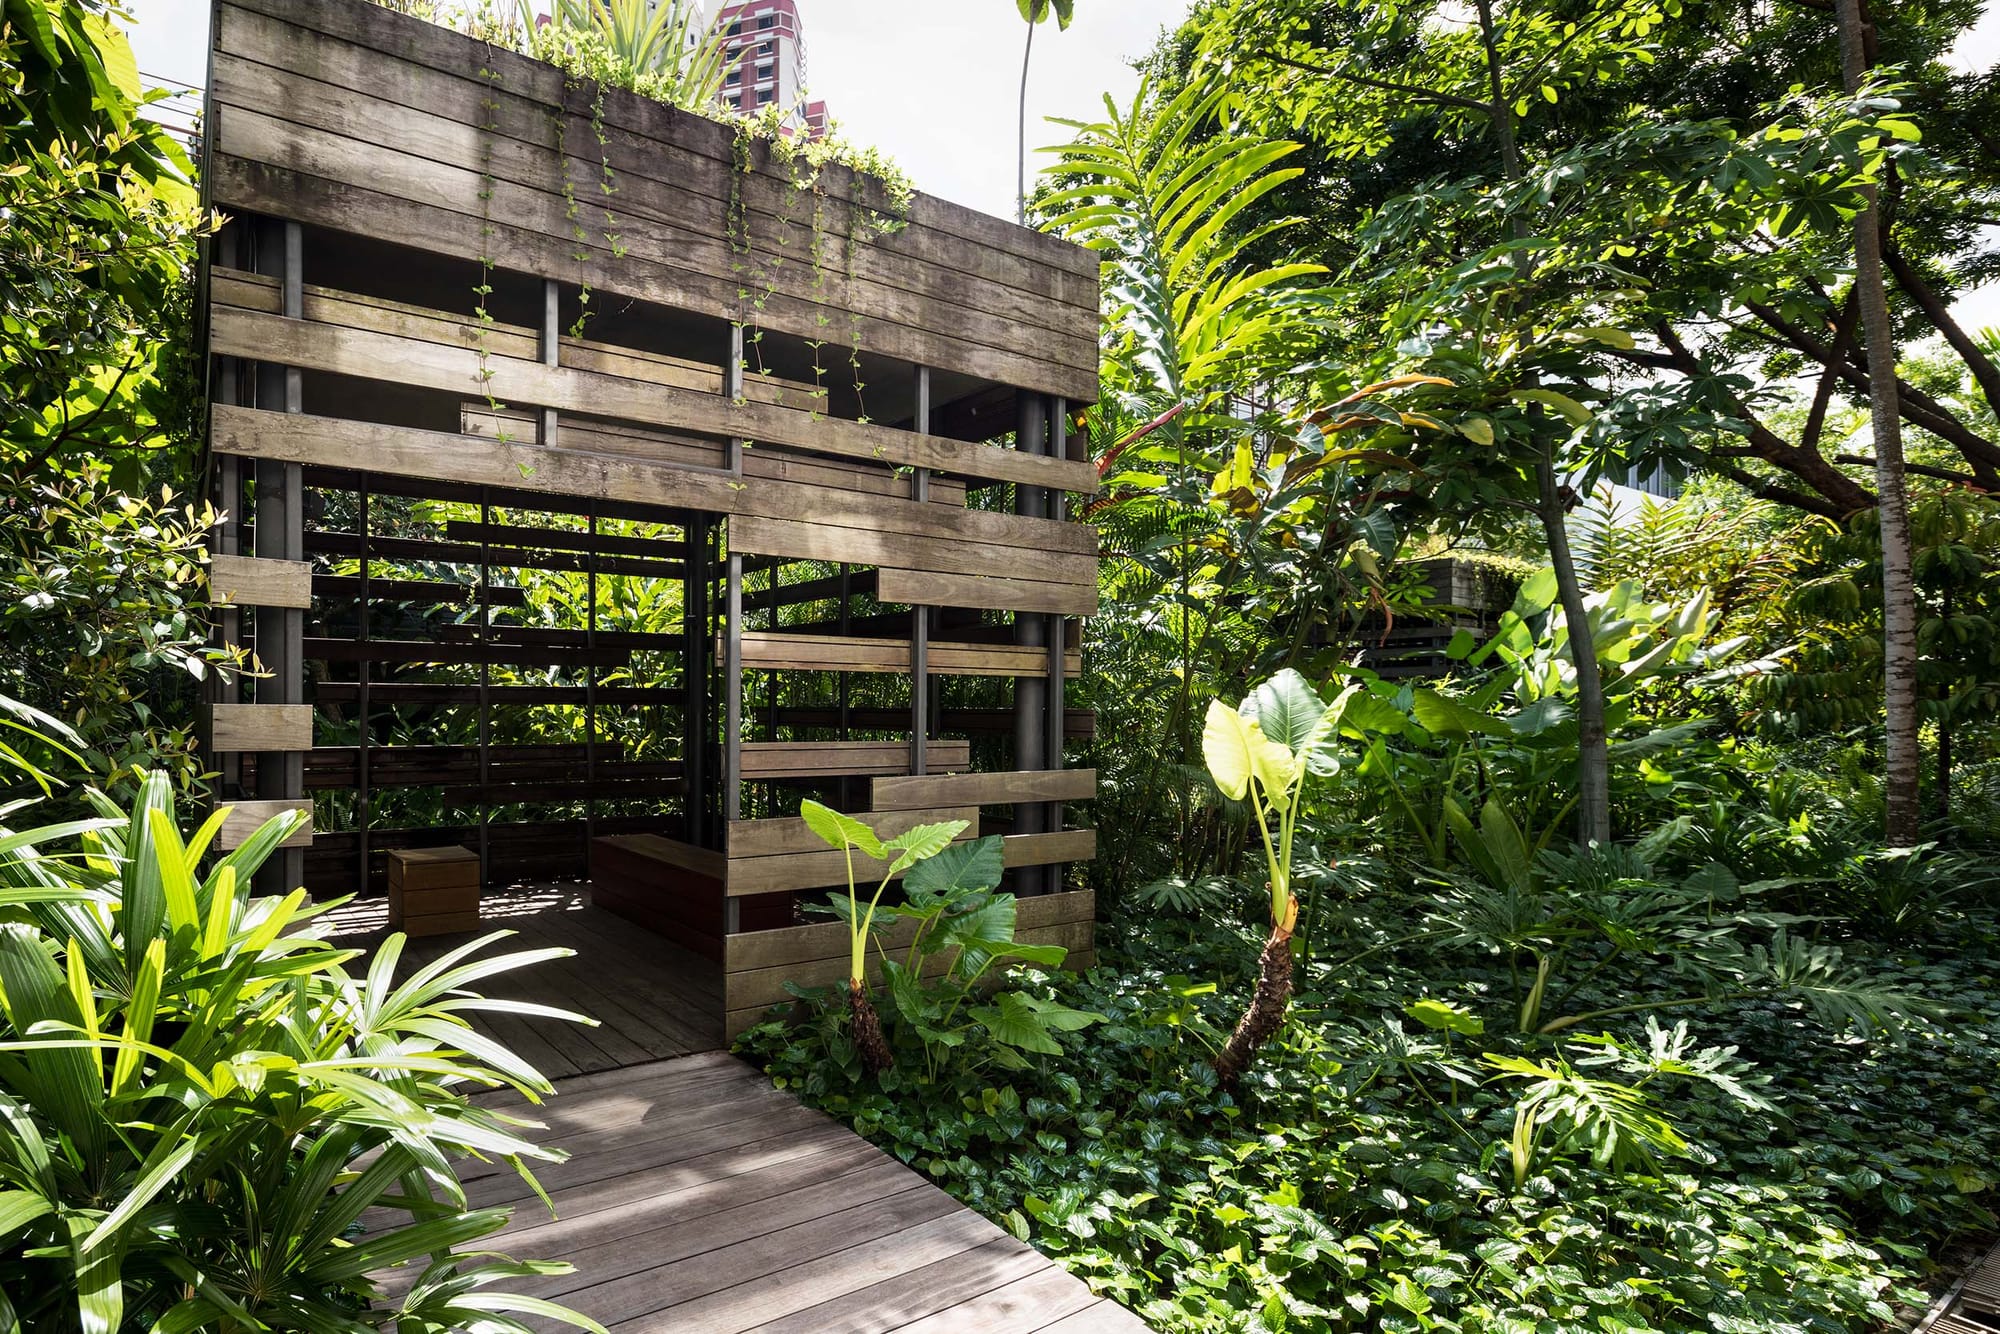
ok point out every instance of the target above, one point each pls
(1262, 751)
(898, 854)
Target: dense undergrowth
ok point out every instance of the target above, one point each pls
(1360, 1176)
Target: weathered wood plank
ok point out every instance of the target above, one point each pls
(752, 950)
(930, 588)
(247, 581)
(829, 540)
(672, 852)
(462, 370)
(484, 66)
(247, 817)
(778, 650)
(907, 792)
(259, 727)
(771, 838)
(834, 759)
(774, 222)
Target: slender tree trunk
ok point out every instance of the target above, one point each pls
(1021, 143)
(1903, 758)
(1593, 749)
(1593, 760)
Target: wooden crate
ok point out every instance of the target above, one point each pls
(433, 891)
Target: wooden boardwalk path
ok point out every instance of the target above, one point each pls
(699, 1199)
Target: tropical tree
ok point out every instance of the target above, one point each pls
(1033, 12)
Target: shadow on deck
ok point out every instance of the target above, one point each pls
(651, 998)
(699, 1199)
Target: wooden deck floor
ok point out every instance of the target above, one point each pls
(699, 1199)
(651, 998)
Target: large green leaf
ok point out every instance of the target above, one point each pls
(840, 831)
(1225, 746)
(1441, 715)
(920, 842)
(1286, 709)
(958, 870)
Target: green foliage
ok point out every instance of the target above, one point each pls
(202, 1100)
(666, 51)
(99, 558)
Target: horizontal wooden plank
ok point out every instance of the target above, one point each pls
(930, 588)
(334, 184)
(751, 950)
(1035, 785)
(1051, 849)
(406, 452)
(778, 650)
(444, 161)
(388, 49)
(247, 817)
(668, 852)
(772, 462)
(829, 540)
(838, 759)
(766, 987)
(769, 838)
(260, 727)
(823, 868)
(368, 354)
(248, 581)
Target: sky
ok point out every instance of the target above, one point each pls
(934, 83)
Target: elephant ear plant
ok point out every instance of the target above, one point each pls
(1262, 752)
(210, 1123)
(896, 855)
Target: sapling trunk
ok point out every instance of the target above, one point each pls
(867, 1029)
(1266, 1015)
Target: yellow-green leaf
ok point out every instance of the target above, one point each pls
(1225, 746)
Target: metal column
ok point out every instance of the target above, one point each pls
(920, 617)
(1031, 629)
(732, 652)
(281, 775)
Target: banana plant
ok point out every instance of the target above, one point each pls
(1263, 751)
(896, 855)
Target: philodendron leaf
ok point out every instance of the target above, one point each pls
(1225, 745)
(1286, 709)
(959, 870)
(840, 831)
(921, 842)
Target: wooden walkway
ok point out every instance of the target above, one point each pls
(699, 1199)
(651, 998)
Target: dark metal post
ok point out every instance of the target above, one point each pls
(485, 687)
(281, 536)
(732, 654)
(695, 635)
(590, 685)
(1052, 814)
(363, 735)
(551, 346)
(920, 617)
(1031, 630)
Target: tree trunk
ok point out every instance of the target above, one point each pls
(1266, 1014)
(1593, 757)
(868, 1040)
(1903, 758)
(1021, 144)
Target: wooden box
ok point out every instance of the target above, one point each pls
(433, 891)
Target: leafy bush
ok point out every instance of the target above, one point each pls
(1362, 1175)
(202, 1101)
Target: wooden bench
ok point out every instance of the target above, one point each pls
(675, 890)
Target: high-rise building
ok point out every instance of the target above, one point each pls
(767, 61)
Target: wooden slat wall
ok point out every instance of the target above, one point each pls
(777, 650)
(335, 113)
(757, 964)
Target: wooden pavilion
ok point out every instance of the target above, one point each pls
(599, 484)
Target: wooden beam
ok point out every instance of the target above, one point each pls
(902, 792)
(466, 372)
(768, 838)
(261, 727)
(778, 650)
(931, 588)
(764, 760)
(247, 817)
(248, 581)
